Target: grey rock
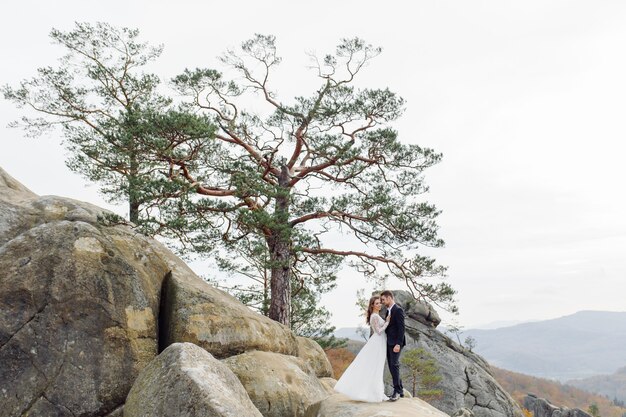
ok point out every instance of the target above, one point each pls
(541, 407)
(463, 412)
(118, 412)
(419, 311)
(187, 381)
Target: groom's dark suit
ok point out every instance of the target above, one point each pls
(395, 336)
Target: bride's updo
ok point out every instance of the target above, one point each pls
(370, 308)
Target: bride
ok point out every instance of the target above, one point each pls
(363, 380)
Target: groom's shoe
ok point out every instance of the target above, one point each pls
(394, 397)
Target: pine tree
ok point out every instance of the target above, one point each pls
(289, 173)
(422, 371)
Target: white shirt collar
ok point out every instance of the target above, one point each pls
(389, 308)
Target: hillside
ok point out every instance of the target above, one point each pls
(340, 359)
(580, 345)
(613, 386)
(518, 385)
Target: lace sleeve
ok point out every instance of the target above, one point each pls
(378, 324)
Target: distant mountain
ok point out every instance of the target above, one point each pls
(499, 324)
(613, 386)
(583, 344)
(349, 333)
(519, 385)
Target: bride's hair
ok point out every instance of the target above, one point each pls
(370, 308)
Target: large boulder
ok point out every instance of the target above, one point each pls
(79, 306)
(419, 311)
(339, 405)
(198, 313)
(278, 385)
(314, 355)
(186, 381)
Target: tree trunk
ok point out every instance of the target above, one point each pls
(265, 307)
(280, 302)
(133, 210)
(279, 245)
(133, 191)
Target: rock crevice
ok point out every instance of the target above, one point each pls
(164, 314)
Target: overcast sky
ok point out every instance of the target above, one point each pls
(525, 99)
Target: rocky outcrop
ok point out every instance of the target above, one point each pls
(419, 311)
(198, 313)
(314, 355)
(85, 307)
(541, 407)
(185, 380)
(79, 306)
(467, 381)
(278, 385)
(339, 405)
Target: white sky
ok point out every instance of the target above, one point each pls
(525, 99)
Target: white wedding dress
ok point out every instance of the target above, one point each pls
(363, 380)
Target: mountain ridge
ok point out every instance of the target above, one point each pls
(612, 386)
(579, 345)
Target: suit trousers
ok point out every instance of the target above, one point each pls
(393, 361)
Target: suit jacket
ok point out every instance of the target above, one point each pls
(395, 329)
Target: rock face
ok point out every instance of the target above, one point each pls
(79, 306)
(185, 380)
(278, 385)
(85, 307)
(466, 378)
(541, 407)
(339, 405)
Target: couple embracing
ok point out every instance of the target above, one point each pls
(363, 380)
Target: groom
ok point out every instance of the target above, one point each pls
(395, 342)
